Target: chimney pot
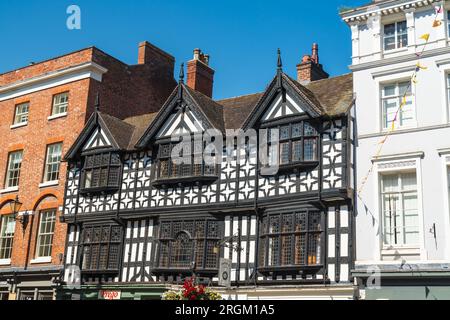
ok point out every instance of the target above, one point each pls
(315, 53)
(309, 68)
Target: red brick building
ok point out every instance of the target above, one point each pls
(44, 107)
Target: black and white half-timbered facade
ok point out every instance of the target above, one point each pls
(140, 222)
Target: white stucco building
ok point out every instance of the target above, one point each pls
(403, 216)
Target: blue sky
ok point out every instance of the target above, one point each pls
(240, 36)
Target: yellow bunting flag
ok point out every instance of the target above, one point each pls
(425, 37)
(419, 66)
(414, 79)
(436, 23)
(393, 126)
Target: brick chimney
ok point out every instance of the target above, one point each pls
(200, 76)
(310, 69)
(151, 55)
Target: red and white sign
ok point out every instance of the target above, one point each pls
(109, 295)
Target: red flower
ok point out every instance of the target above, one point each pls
(193, 297)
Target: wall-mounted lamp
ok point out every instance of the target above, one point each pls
(15, 206)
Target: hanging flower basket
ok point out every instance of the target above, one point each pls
(193, 292)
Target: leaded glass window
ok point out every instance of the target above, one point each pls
(298, 142)
(101, 171)
(192, 165)
(291, 239)
(188, 244)
(101, 248)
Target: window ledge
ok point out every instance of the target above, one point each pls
(49, 184)
(392, 251)
(5, 262)
(184, 180)
(99, 190)
(57, 116)
(9, 190)
(389, 51)
(41, 260)
(18, 125)
(291, 167)
(280, 269)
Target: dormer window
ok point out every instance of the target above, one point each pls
(193, 165)
(298, 144)
(101, 172)
(395, 36)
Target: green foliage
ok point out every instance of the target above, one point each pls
(191, 291)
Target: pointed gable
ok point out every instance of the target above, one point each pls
(284, 97)
(102, 131)
(98, 139)
(186, 111)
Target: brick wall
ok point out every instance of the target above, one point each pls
(125, 91)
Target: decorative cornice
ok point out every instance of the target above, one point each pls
(52, 79)
(363, 13)
(400, 156)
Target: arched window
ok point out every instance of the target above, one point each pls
(181, 257)
(184, 242)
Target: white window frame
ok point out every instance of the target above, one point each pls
(445, 165)
(57, 105)
(391, 164)
(401, 193)
(49, 162)
(399, 98)
(43, 234)
(447, 96)
(21, 115)
(9, 170)
(396, 35)
(4, 238)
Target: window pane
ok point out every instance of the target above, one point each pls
(404, 88)
(309, 130)
(296, 151)
(284, 132)
(296, 130)
(389, 29)
(310, 150)
(284, 153)
(389, 90)
(390, 109)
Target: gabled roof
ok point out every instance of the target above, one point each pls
(117, 132)
(279, 83)
(329, 97)
(209, 111)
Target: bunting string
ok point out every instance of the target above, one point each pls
(403, 101)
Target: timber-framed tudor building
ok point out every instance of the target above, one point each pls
(139, 223)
